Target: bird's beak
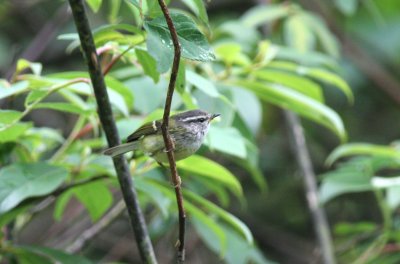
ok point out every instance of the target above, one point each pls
(214, 116)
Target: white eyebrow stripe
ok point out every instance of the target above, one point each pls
(191, 118)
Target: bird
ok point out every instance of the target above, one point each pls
(187, 131)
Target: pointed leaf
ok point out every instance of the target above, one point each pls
(362, 149)
(20, 181)
(299, 103)
(159, 43)
(210, 169)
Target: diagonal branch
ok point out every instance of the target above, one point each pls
(318, 215)
(107, 120)
(167, 138)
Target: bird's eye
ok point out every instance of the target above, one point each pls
(201, 119)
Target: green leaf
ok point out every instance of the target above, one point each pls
(201, 83)
(61, 203)
(94, 4)
(9, 116)
(212, 170)
(21, 181)
(64, 107)
(299, 103)
(24, 64)
(155, 194)
(352, 149)
(298, 83)
(230, 219)
(345, 229)
(318, 74)
(28, 257)
(321, 31)
(12, 133)
(148, 64)
(35, 95)
(263, 14)
(297, 34)
(198, 7)
(393, 195)
(347, 7)
(56, 256)
(96, 197)
(337, 183)
(9, 216)
(181, 81)
(134, 2)
(230, 53)
(7, 89)
(123, 90)
(385, 182)
(196, 213)
(159, 43)
(227, 140)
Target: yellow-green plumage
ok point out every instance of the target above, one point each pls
(187, 131)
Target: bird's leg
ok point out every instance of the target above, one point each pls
(172, 147)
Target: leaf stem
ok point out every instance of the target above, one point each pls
(31, 106)
(77, 127)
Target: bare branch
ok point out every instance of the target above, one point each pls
(167, 138)
(107, 120)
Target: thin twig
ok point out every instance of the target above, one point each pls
(71, 138)
(88, 234)
(317, 212)
(107, 120)
(169, 146)
(114, 60)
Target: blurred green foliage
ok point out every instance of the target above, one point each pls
(276, 55)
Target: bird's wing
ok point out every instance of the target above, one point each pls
(147, 129)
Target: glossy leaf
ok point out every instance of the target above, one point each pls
(20, 181)
(159, 43)
(292, 100)
(207, 168)
(352, 149)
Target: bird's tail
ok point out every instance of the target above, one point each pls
(121, 149)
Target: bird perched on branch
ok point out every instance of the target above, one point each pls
(187, 131)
